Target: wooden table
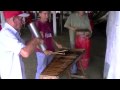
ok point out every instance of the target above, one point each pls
(61, 64)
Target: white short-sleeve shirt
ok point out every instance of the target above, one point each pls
(10, 58)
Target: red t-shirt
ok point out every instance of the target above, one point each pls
(47, 30)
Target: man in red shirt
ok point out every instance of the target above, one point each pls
(45, 29)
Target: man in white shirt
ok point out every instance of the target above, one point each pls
(12, 47)
(112, 57)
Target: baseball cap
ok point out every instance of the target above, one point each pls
(9, 14)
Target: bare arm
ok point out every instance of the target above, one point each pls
(57, 44)
(26, 51)
(68, 24)
(70, 27)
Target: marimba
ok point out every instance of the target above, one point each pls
(61, 64)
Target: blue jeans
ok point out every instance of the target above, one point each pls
(42, 61)
(74, 68)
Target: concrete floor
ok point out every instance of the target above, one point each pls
(95, 70)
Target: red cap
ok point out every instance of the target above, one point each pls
(9, 14)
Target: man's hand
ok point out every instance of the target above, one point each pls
(73, 28)
(88, 34)
(42, 34)
(47, 52)
(59, 46)
(40, 41)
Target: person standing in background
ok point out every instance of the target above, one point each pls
(79, 20)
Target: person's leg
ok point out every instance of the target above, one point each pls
(83, 43)
(41, 63)
(86, 56)
(74, 68)
(49, 59)
(72, 37)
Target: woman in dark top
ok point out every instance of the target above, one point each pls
(46, 31)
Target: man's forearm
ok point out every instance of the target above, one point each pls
(30, 47)
(70, 28)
